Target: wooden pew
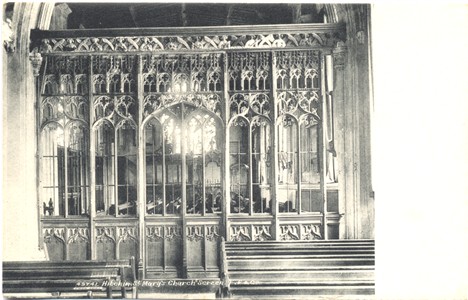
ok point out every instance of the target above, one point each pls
(70, 278)
(299, 269)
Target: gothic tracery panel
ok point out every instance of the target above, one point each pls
(268, 102)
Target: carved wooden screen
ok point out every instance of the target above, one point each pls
(157, 146)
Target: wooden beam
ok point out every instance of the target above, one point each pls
(188, 31)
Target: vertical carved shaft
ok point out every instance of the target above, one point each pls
(339, 56)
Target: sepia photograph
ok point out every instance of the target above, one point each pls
(169, 150)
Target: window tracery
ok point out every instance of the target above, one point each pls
(272, 96)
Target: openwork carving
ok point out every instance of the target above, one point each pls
(115, 109)
(311, 232)
(297, 69)
(195, 233)
(52, 110)
(250, 105)
(156, 102)
(299, 103)
(289, 232)
(78, 235)
(114, 74)
(51, 234)
(240, 233)
(154, 233)
(249, 71)
(105, 235)
(178, 43)
(65, 75)
(76, 108)
(261, 233)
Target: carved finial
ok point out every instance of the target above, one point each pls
(36, 60)
(9, 41)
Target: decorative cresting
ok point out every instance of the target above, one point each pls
(235, 37)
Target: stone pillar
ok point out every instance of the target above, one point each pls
(342, 141)
(20, 204)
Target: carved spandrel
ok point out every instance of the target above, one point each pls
(311, 232)
(154, 103)
(289, 232)
(299, 103)
(78, 235)
(127, 234)
(212, 232)
(240, 233)
(51, 234)
(195, 233)
(262, 233)
(154, 233)
(76, 108)
(105, 234)
(172, 232)
(115, 109)
(250, 105)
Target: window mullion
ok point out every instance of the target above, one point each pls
(116, 172)
(299, 168)
(249, 151)
(65, 158)
(203, 169)
(183, 162)
(323, 173)
(163, 169)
